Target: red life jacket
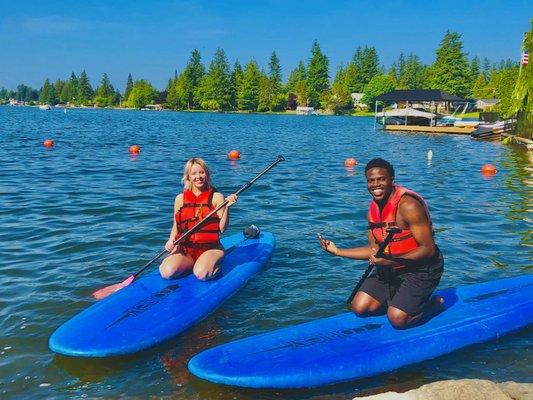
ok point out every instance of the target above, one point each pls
(378, 222)
(193, 210)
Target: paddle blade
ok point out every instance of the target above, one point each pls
(106, 291)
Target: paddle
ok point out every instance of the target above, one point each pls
(391, 232)
(106, 291)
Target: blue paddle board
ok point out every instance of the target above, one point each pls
(152, 310)
(345, 347)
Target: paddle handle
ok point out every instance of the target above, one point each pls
(379, 253)
(196, 227)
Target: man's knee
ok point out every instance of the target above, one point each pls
(360, 309)
(397, 318)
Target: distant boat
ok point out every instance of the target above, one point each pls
(493, 131)
(45, 107)
(301, 110)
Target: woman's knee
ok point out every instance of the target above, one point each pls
(166, 271)
(205, 273)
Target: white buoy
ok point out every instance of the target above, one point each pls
(430, 155)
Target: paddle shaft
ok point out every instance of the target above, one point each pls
(203, 221)
(381, 249)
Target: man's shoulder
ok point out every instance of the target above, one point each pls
(409, 203)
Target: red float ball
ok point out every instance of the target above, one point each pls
(350, 162)
(48, 143)
(488, 169)
(135, 149)
(234, 155)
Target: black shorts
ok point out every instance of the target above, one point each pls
(409, 290)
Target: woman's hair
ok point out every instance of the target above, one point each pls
(187, 184)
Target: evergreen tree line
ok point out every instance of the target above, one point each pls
(252, 88)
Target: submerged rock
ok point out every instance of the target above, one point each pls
(471, 389)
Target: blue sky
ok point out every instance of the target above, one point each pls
(152, 39)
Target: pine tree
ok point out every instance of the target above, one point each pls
(317, 74)
(129, 86)
(296, 75)
(450, 70)
(47, 93)
(214, 90)
(413, 74)
(350, 78)
(58, 88)
(235, 83)
(194, 71)
(105, 93)
(274, 71)
(85, 92)
(340, 98)
(248, 94)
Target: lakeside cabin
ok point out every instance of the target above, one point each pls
(418, 111)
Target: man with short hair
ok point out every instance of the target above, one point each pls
(412, 264)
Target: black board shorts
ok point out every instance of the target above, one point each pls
(409, 290)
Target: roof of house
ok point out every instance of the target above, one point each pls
(418, 95)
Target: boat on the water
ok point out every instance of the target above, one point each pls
(493, 131)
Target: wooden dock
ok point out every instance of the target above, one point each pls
(461, 130)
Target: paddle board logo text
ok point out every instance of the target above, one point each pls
(326, 337)
(145, 304)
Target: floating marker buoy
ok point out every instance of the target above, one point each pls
(350, 162)
(135, 149)
(48, 143)
(488, 169)
(430, 154)
(234, 155)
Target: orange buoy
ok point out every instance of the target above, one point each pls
(135, 149)
(350, 162)
(48, 143)
(488, 169)
(234, 155)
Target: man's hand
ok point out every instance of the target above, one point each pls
(327, 245)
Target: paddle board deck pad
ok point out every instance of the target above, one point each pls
(345, 347)
(152, 310)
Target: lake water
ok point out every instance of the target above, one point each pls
(86, 214)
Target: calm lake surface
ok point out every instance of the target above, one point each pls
(86, 214)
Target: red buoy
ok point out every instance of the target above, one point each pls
(488, 170)
(135, 149)
(350, 162)
(48, 143)
(234, 155)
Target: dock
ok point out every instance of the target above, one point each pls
(463, 130)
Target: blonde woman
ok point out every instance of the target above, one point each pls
(201, 252)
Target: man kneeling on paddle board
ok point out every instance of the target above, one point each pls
(409, 264)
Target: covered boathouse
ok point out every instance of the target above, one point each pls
(417, 119)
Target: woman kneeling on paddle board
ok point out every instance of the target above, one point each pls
(200, 252)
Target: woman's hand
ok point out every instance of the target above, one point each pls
(169, 246)
(231, 199)
(328, 245)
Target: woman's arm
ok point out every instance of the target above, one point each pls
(178, 201)
(223, 213)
